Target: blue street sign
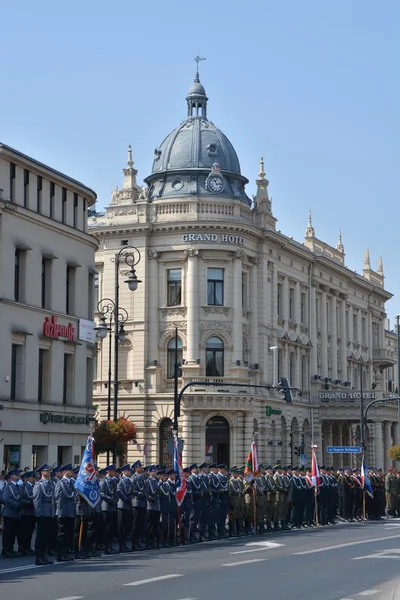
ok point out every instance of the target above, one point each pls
(344, 449)
(303, 459)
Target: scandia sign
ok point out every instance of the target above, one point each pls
(55, 331)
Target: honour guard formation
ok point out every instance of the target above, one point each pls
(44, 516)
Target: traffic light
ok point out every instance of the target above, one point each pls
(284, 386)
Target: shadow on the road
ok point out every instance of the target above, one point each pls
(121, 562)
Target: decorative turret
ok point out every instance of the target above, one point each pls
(380, 267)
(130, 190)
(310, 232)
(339, 245)
(367, 262)
(261, 202)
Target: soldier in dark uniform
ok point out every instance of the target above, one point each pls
(339, 481)
(12, 500)
(109, 501)
(270, 489)
(138, 504)
(172, 508)
(28, 519)
(165, 501)
(358, 496)
(223, 505)
(152, 493)
(65, 513)
(348, 494)
(323, 497)
(333, 497)
(197, 497)
(45, 512)
(205, 501)
(124, 507)
(297, 498)
(186, 508)
(235, 493)
(214, 486)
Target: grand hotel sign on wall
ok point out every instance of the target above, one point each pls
(223, 238)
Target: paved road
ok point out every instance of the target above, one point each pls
(352, 561)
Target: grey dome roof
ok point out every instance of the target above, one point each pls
(185, 158)
(196, 144)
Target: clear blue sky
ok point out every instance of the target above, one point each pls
(311, 85)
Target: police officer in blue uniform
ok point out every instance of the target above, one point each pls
(186, 508)
(124, 507)
(139, 505)
(45, 512)
(28, 519)
(223, 504)
(109, 501)
(197, 497)
(65, 513)
(214, 486)
(153, 509)
(12, 500)
(172, 508)
(165, 501)
(205, 500)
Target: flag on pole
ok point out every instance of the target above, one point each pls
(315, 476)
(365, 480)
(86, 482)
(180, 481)
(251, 467)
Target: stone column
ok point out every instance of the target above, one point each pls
(387, 442)
(379, 450)
(359, 328)
(192, 304)
(297, 303)
(254, 313)
(313, 333)
(153, 299)
(370, 336)
(285, 299)
(274, 304)
(334, 337)
(351, 332)
(237, 310)
(327, 440)
(343, 342)
(324, 338)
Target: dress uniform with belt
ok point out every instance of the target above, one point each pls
(223, 504)
(205, 501)
(12, 500)
(197, 498)
(214, 487)
(172, 534)
(165, 502)
(65, 513)
(139, 505)
(45, 511)
(109, 501)
(124, 507)
(152, 493)
(28, 519)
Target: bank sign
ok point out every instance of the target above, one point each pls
(213, 237)
(346, 396)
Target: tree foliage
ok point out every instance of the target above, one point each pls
(394, 452)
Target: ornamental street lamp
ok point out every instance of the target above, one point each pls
(130, 256)
(106, 308)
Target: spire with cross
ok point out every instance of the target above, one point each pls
(198, 59)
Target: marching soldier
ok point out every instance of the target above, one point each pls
(348, 494)
(109, 501)
(214, 486)
(152, 493)
(249, 503)
(139, 504)
(186, 508)
(165, 501)
(65, 513)
(172, 508)
(12, 500)
(235, 504)
(309, 509)
(261, 501)
(124, 507)
(197, 496)
(28, 520)
(45, 512)
(223, 505)
(205, 500)
(391, 492)
(297, 498)
(270, 489)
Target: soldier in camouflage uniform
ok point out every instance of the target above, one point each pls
(391, 492)
(271, 497)
(235, 493)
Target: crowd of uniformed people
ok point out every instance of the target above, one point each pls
(137, 509)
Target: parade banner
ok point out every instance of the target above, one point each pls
(86, 482)
(180, 481)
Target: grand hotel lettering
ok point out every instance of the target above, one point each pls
(346, 395)
(213, 237)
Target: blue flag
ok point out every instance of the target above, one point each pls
(86, 482)
(365, 480)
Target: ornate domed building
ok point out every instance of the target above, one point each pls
(250, 306)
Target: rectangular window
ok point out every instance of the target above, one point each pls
(17, 371)
(46, 282)
(39, 194)
(68, 379)
(291, 303)
(279, 300)
(52, 200)
(174, 287)
(70, 290)
(303, 309)
(244, 290)
(44, 375)
(355, 328)
(12, 182)
(64, 206)
(215, 287)
(26, 188)
(19, 275)
(84, 208)
(75, 210)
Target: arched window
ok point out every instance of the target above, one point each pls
(171, 356)
(214, 357)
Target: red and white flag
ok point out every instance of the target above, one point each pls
(315, 476)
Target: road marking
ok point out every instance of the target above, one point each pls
(24, 568)
(380, 554)
(247, 551)
(265, 544)
(71, 598)
(382, 539)
(153, 579)
(244, 562)
(369, 592)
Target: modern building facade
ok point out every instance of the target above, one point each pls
(250, 305)
(46, 313)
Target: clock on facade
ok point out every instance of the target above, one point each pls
(215, 184)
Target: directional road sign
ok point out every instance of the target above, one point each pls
(343, 449)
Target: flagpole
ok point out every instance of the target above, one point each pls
(254, 491)
(364, 511)
(178, 514)
(316, 506)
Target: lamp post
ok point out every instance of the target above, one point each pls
(130, 256)
(362, 421)
(106, 308)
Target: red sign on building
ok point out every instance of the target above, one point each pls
(55, 331)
